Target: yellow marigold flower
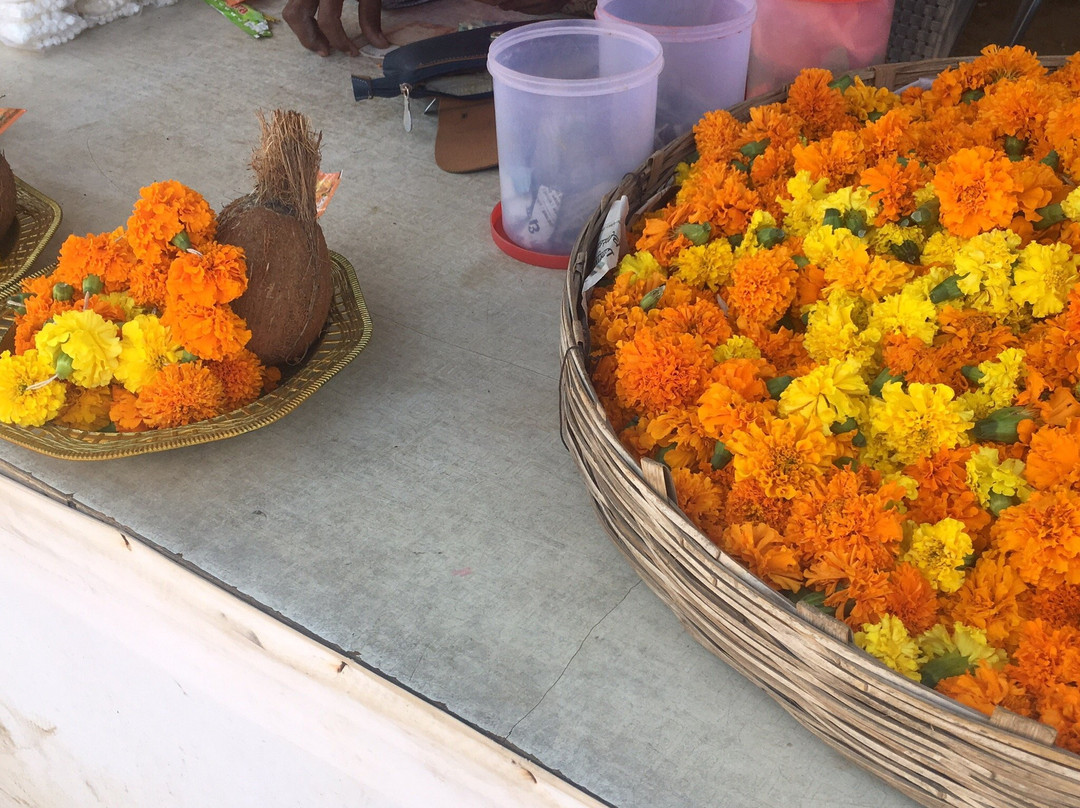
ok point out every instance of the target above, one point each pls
(21, 403)
(801, 212)
(890, 642)
(965, 641)
(1070, 205)
(941, 248)
(124, 302)
(827, 393)
(847, 199)
(641, 265)
(145, 348)
(985, 256)
(987, 472)
(834, 328)
(708, 265)
(940, 550)
(908, 312)
(787, 457)
(824, 244)
(737, 347)
(893, 235)
(1000, 376)
(86, 408)
(864, 100)
(91, 341)
(919, 422)
(1044, 276)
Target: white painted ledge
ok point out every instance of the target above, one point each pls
(128, 681)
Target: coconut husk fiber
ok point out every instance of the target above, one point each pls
(290, 286)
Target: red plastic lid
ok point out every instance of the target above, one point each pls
(503, 242)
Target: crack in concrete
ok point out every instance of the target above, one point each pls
(573, 656)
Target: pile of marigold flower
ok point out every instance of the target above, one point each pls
(853, 334)
(133, 329)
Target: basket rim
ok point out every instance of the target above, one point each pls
(346, 334)
(44, 216)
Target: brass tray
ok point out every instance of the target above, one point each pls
(36, 219)
(347, 332)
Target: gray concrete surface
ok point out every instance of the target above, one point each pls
(419, 511)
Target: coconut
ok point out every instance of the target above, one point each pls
(7, 196)
(290, 283)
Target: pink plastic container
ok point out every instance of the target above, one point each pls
(706, 50)
(840, 35)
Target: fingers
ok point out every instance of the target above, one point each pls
(329, 20)
(300, 17)
(370, 12)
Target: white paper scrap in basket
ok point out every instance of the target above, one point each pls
(608, 246)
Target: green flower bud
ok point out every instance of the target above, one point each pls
(1051, 215)
(187, 356)
(697, 233)
(652, 298)
(951, 664)
(770, 236)
(181, 240)
(721, 456)
(907, 251)
(883, 379)
(841, 83)
(840, 427)
(999, 502)
(1052, 159)
(63, 292)
(754, 149)
(1001, 426)
(971, 96)
(972, 373)
(92, 285)
(948, 289)
(63, 365)
(778, 385)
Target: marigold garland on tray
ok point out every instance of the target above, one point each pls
(133, 329)
(853, 333)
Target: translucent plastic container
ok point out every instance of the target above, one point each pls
(575, 104)
(840, 35)
(706, 50)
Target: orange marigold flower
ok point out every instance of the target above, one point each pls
(680, 434)
(949, 130)
(180, 394)
(1010, 62)
(1054, 457)
(702, 319)
(784, 349)
(985, 689)
(660, 233)
(715, 135)
(1058, 607)
(747, 502)
(701, 499)
(764, 552)
(209, 332)
(146, 284)
(1037, 186)
(838, 158)
(892, 185)
(988, 600)
(654, 375)
(241, 376)
(977, 191)
(763, 287)
(1059, 706)
(1069, 73)
(717, 194)
(124, 410)
(1041, 537)
(786, 456)
(218, 275)
(1053, 351)
(823, 109)
(107, 256)
(722, 411)
(616, 314)
(912, 598)
(163, 210)
(854, 517)
(857, 593)
(1045, 657)
(39, 310)
(774, 123)
(1019, 108)
(889, 136)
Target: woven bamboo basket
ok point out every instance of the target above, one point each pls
(346, 334)
(36, 219)
(936, 750)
